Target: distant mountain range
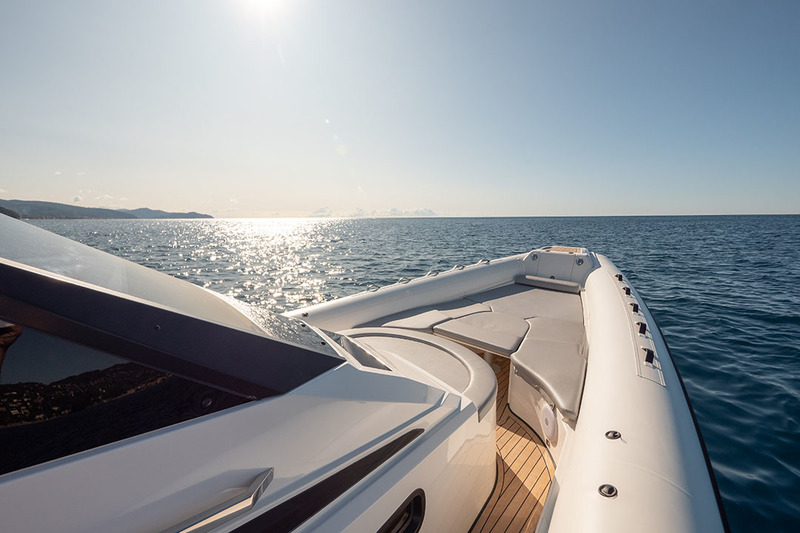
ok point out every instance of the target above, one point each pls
(35, 209)
(144, 212)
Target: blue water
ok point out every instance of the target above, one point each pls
(725, 291)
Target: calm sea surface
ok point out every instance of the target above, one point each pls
(725, 291)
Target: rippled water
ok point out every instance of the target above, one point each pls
(723, 289)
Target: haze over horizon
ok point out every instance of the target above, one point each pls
(249, 108)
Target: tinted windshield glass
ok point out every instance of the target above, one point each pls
(287, 329)
(32, 246)
(58, 398)
(24, 243)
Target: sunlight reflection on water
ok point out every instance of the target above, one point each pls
(277, 263)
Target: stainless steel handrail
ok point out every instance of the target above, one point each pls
(227, 510)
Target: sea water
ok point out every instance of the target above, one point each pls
(724, 289)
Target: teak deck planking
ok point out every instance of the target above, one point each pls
(524, 469)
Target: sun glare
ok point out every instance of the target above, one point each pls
(262, 8)
(264, 15)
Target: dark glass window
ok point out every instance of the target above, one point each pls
(58, 398)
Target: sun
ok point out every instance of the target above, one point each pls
(263, 13)
(263, 7)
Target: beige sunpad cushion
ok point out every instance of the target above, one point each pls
(547, 283)
(419, 319)
(556, 367)
(552, 329)
(528, 302)
(424, 318)
(494, 332)
(462, 307)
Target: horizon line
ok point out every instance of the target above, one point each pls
(350, 217)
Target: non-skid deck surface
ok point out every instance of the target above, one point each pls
(524, 469)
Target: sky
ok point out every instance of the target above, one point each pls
(259, 108)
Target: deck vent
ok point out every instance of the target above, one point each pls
(613, 434)
(642, 327)
(619, 277)
(635, 307)
(609, 491)
(627, 291)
